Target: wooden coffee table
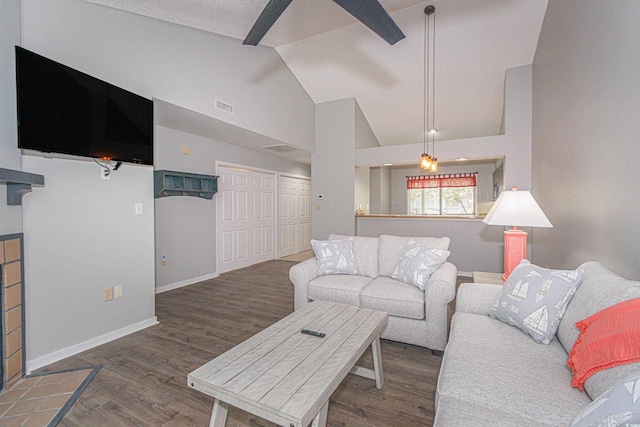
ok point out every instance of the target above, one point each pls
(287, 377)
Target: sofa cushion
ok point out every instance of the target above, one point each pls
(365, 250)
(494, 366)
(618, 405)
(535, 298)
(334, 256)
(338, 288)
(391, 248)
(455, 412)
(397, 298)
(418, 263)
(599, 289)
(600, 382)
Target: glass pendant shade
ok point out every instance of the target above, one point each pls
(426, 161)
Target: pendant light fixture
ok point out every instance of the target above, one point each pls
(427, 162)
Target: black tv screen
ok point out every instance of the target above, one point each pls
(62, 110)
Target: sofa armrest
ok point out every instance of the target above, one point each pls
(440, 291)
(441, 286)
(301, 274)
(477, 298)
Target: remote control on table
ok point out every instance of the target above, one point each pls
(314, 333)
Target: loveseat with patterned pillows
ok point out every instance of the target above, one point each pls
(408, 277)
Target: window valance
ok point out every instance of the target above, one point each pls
(448, 180)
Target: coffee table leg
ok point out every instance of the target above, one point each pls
(377, 362)
(219, 414)
(321, 419)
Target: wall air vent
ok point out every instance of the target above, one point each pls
(280, 148)
(221, 105)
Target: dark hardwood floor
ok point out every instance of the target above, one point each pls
(143, 379)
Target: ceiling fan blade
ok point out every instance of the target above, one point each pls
(372, 14)
(267, 18)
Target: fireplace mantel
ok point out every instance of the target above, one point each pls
(18, 183)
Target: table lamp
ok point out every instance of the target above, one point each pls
(515, 208)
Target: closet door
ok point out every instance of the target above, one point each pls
(295, 215)
(246, 217)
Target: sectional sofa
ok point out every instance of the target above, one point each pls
(493, 374)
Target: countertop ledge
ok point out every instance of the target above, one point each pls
(429, 217)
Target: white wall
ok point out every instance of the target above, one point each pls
(586, 94)
(81, 235)
(365, 138)
(10, 216)
(380, 190)
(186, 226)
(183, 66)
(474, 246)
(514, 145)
(340, 128)
(180, 65)
(361, 190)
(332, 169)
(385, 189)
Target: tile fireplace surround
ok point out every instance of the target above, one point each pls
(12, 317)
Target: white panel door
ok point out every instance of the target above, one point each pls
(295, 215)
(246, 217)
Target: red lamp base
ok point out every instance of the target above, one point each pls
(515, 250)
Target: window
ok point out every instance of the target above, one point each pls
(446, 194)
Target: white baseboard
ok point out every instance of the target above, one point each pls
(192, 281)
(50, 358)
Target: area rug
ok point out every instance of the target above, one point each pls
(43, 399)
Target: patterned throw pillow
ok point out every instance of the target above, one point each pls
(619, 406)
(417, 263)
(534, 299)
(334, 256)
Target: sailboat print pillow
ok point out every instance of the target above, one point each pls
(619, 406)
(417, 263)
(534, 299)
(334, 257)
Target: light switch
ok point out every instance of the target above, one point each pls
(138, 207)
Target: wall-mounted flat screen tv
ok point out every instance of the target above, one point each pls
(62, 110)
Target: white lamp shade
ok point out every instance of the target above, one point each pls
(516, 208)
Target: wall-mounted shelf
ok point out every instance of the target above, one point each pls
(171, 183)
(18, 184)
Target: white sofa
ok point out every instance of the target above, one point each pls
(415, 317)
(494, 375)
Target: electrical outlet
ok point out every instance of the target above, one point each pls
(108, 294)
(163, 261)
(105, 173)
(117, 291)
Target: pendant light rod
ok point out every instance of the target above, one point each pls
(432, 55)
(428, 162)
(425, 87)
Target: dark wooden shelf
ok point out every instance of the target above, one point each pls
(171, 183)
(18, 184)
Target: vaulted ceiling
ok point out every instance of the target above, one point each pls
(335, 57)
